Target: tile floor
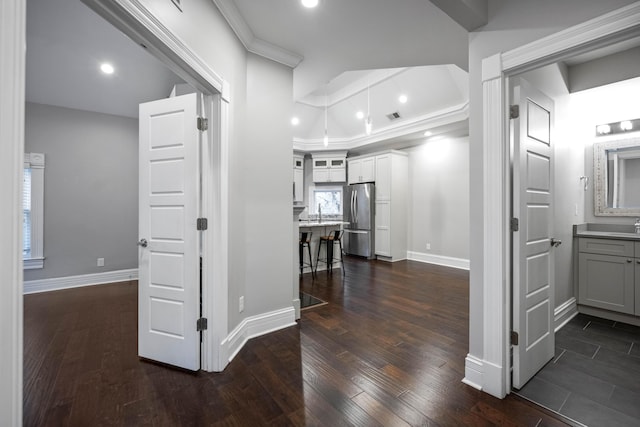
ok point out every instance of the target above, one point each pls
(594, 377)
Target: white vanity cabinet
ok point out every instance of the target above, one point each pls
(392, 179)
(361, 169)
(298, 178)
(330, 167)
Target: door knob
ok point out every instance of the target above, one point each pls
(143, 243)
(555, 242)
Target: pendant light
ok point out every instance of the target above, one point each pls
(325, 141)
(368, 125)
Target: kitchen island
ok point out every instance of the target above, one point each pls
(319, 228)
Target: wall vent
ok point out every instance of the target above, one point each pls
(393, 116)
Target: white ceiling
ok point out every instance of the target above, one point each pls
(66, 42)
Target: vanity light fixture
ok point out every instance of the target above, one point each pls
(309, 4)
(617, 127)
(107, 68)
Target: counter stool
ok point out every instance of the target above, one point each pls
(305, 240)
(334, 237)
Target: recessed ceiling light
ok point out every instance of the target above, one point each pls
(428, 133)
(360, 115)
(107, 68)
(309, 3)
(403, 99)
(295, 121)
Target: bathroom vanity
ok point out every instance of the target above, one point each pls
(608, 271)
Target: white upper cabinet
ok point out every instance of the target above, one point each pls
(362, 169)
(329, 167)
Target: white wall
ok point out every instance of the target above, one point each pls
(438, 211)
(257, 160)
(91, 189)
(512, 23)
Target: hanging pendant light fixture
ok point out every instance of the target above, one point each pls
(368, 125)
(325, 141)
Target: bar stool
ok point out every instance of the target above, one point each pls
(334, 237)
(305, 240)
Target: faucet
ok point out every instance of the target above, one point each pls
(637, 225)
(320, 215)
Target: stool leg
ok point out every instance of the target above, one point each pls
(341, 257)
(329, 256)
(318, 255)
(300, 256)
(313, 273)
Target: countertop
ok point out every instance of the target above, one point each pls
(321, 224)
(600, 231)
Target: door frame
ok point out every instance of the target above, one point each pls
(491, 371)
(133, 19)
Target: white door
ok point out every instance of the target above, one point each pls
(169, 261)
(532, 244)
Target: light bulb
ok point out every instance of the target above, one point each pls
(107, 68)
(309, 3)
(603, 129)
(403, 99)
(325, 141)
(626, 125)
(360, 115)
(295, 121)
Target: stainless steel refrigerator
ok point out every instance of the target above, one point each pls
(359, 210)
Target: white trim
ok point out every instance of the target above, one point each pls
(473, 369)
(68, 282)
(455, 114)
(138, 23)
(256, 326)
(33, 263)
(446, 261)
(613, 27)
(12, 79)
(253, 44)
(564, 313)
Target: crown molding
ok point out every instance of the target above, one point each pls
(373, 78)
(253, 44)
(422, 123)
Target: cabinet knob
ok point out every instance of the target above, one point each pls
(629, 260)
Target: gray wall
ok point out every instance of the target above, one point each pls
(512, 23)
(438, 211)
(91, 189)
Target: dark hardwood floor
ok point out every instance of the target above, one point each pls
(387, 350)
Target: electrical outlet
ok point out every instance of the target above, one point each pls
(100, 262)
(241, 304)
(428, 246)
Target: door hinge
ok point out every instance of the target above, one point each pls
(203, 123)
(514, 111)
(202, 224)
(514, 338)
(201, 324)
(515, 224)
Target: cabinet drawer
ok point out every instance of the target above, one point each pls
(606, 247)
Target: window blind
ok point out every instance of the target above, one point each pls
(26, 214)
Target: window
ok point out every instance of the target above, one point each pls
(32, 211)
(328, 199)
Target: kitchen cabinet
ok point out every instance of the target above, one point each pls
(608, 274)
(329, 168)
(298, 178)
(392, 179)
(361, 169)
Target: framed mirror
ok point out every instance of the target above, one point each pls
(616, 167)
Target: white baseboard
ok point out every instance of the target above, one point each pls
(564, 313)
(58, 283)
(473, 372)
(446, 261)
(256, 326)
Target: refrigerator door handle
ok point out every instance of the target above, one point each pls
(355, 205)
